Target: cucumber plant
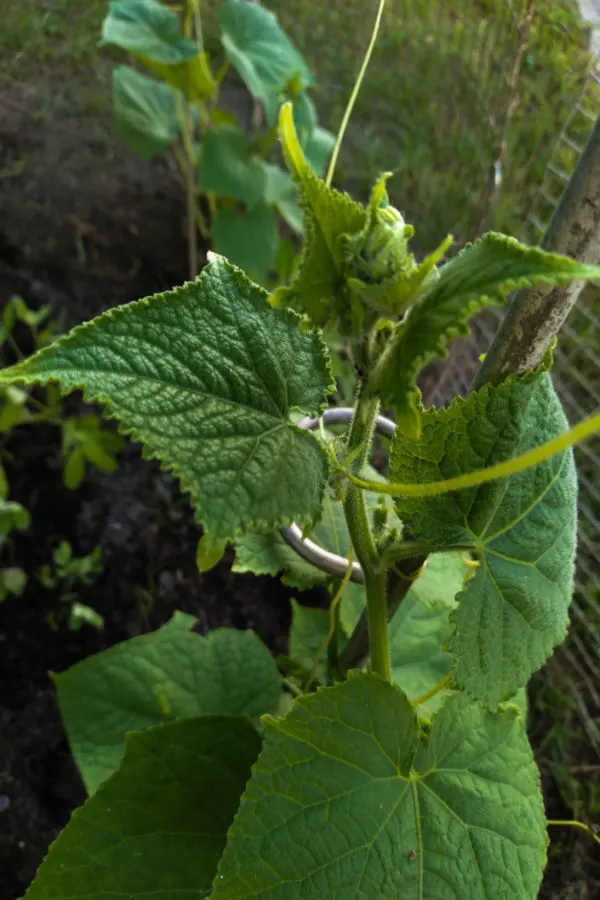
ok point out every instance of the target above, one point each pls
(177, 108)
(211, 770)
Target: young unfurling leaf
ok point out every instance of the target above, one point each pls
(379, 266)
(318, 287)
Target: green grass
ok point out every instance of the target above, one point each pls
(58, 39)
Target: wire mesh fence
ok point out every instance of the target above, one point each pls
(482, 109)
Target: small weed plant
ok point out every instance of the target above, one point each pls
(178, 109)
(85, 441)
(64, 574)
(386, 755)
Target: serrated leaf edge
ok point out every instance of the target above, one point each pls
(457, 402)
(261, 525)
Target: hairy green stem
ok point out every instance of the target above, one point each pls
(405, 549)
(355, 509)
(399, 582)
(190, 11)
(198, 25)
(190, 196)
(354, 94)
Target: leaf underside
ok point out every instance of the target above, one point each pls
(349, 799)
(147, 29)
(249, 238)
(522, 529)
(206, 376)
(145, 111)
(229, 168)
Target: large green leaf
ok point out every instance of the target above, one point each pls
(145, 111)
(349, 799)
(206, 376)
(485, 272)
(317, 288)
(248, 237)
(155, 678)
(157, 827)
(522, 529)
(148, 30)
(228, 166)
(259, 50)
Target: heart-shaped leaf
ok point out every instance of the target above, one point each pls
(348, 798)
(520, 529)
(155, 678)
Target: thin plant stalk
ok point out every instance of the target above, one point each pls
(355, 510)
(190, 197)
(353, 96)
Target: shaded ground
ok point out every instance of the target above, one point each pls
(80, 212)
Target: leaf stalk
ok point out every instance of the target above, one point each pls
(355, 509)
(353, 96)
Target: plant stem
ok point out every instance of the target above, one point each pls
(198, 25)
(574, 823)
(400, 581)
(534, 317)
(403, 550)
(190, 197)
(359, 443)
(191, 17)
(354, 94)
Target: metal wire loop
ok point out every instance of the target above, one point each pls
(332, 563)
